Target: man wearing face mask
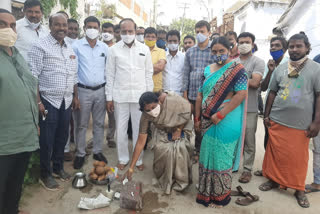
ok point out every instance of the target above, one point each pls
(161, 39)
(232, 37)
(107, 34)
(140, 34)
(129, 74)
(254, 67)
(158, 57)
(18, 116)
(195, 61)
(54, 64)
(173, 72)
(29, 28)
(92, 56)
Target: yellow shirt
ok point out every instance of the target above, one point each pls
(156, 55)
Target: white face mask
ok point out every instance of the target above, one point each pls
(140, 38)
(32, 25)
(155, 112)
(107, 37)
(92, 33)
(245, 48)
(201, 38)
(173, 47)
(128, 39)
(7, 37)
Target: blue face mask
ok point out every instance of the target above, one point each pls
(220, 59)
(161, 44)
(277, 54)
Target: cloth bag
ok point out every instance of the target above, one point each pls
(131, 196)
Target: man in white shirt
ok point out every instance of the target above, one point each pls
(29, 28)
(173, 72)
(129, 73)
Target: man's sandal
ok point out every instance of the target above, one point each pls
(258, 173)
(302, 200)
(309, 189)
(238, 192)
(249, 199)
(121, 166)
(269, 185)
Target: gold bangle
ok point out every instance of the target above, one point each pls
(178, 129)
(130, 170)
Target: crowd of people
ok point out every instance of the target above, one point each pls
(198, 105)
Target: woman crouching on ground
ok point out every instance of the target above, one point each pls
(170, 115)
(220, 114)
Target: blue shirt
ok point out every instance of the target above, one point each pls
(91, 62)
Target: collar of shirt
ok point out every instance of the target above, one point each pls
(178, 55)
(26, 24)
(135, 43)
(84, 41)
(53, 41)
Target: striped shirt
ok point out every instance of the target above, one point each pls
(195, 61)
(55, 66)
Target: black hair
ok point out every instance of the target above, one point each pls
(141, 28)
(147, 98)
(128, 19)
(32, 3)
(255, 47)
(52, 16)
(107, 25)
(203, 23)
(162, 32)
(73, 21)
(232, 33)
(64, 13)
(91, 19)
(150, 30)
(5, 11)
(173, 33)
(190, 37)
(282, 40)
(301, 36)
(247, 34)
(116, 27)
(221, 40)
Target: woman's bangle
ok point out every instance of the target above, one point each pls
(197, 119)
(178, 129)
(130, 170)
(39, 103)
(220, 116)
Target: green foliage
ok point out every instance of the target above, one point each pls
(107, 11)
(33, 171)
(72, 5)
(47, 6)
(184, 25)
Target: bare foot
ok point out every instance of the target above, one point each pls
(140, 167)
(213, 205)
(121, 166)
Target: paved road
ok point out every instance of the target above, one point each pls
(36, 200)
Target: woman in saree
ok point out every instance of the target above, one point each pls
(170, 115)
(220, 114)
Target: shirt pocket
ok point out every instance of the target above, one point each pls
(140, 60)
(100, 59)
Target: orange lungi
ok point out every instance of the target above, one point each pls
(286, 157)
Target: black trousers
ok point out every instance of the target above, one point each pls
(54, 133)
(12, 169)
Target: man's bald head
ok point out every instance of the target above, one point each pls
(59, 26)
(57, 15)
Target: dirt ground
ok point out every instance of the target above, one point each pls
(37, 200)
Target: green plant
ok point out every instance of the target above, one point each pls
(48, 5)
(33, 171)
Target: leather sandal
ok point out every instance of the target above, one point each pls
(249, 199)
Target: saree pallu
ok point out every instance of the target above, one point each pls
(222, 144)
(287, 155)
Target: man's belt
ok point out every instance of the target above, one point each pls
(94, 88)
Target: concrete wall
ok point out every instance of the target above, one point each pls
(310, 24)
(259, 19)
